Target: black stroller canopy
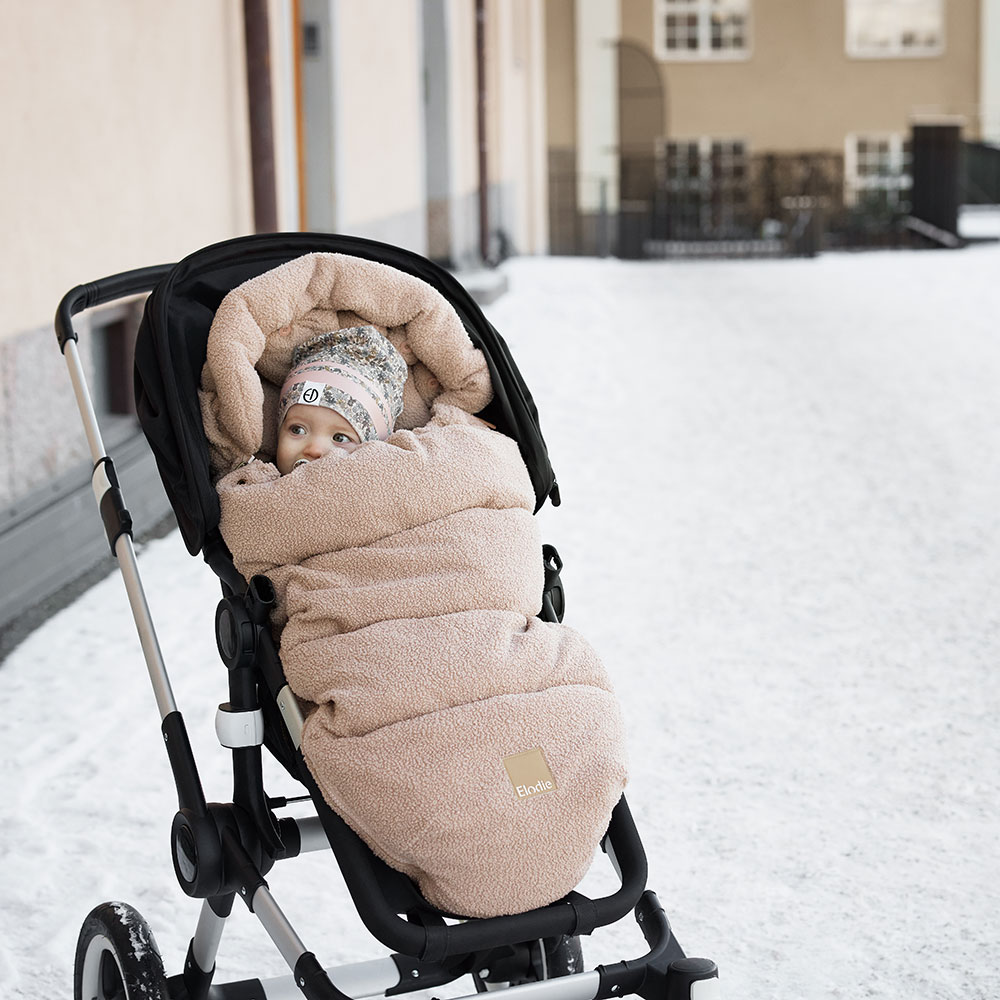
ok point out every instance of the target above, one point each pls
(170, 354)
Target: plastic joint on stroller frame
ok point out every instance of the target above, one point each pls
(222, 851)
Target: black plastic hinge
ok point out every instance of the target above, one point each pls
(235, 633)
(190, 794)
(312, 980)
(222, 905)
(417, 975)
(196, 980)
(117, 520)
(242, 874)
(553, 594)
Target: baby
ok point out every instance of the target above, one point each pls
(408, 579)
(345, 387)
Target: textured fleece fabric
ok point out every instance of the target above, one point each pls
(408, 575)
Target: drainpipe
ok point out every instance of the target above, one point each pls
(484, 220)
(258, 49)
(300, 115)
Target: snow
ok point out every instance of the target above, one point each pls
(136, 937)
(979, 221)
(781, 530)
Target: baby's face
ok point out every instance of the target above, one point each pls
(310, 432)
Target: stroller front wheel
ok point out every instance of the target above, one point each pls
(117, 958)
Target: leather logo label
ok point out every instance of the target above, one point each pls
(529, 773)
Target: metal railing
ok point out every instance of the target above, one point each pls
(766, 205)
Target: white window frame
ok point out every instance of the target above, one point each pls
(702, 185)
(895, 48)
(704, 51)
(894, 183)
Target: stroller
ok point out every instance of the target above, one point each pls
(222, 851)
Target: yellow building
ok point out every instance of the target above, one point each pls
(740, 96)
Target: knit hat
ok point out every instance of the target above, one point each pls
(356, 372)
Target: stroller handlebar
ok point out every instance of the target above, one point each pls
(95, 293)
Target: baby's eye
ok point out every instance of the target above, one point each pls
(341, 438)
(296, 429)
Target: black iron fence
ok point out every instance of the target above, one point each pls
(981, 174)
(716, 200)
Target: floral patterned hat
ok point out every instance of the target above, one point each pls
(355, 372)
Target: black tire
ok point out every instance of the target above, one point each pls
(117, 958)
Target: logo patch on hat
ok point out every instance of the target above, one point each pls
(529, 773)
(312, 391)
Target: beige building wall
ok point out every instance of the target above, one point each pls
(124, 142)
(282, 31)
(798, 90)
(379, 121)
(387, 180)
(560, 74)
(989, 70)
(462, 144)
(537, 193)
(451, 138)
(516, 117)
(125, 145)
(522, 150)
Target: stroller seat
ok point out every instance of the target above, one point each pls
(222, 851)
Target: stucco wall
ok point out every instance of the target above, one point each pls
(395, 174)
(462, 98)
(798, 89)
(560, 73)
(124, 142)
(463, 145)
(516, 115)
(989, 70)
(379, 114)
(284, 34)
(450, 131)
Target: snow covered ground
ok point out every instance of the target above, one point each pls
(781, 529)
(979, 221)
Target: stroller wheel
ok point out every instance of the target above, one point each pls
(547, 958)
(117, 958)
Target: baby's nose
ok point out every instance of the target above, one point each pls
(316, 448)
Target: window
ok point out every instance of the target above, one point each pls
(877, 170)
(882, 29)
(707, 186)
(701, 29)
(111, 339)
